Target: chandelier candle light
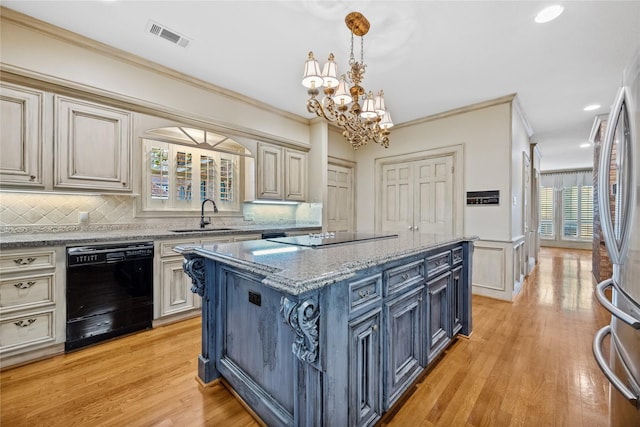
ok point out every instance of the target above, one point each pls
(361, 123)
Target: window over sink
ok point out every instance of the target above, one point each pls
(184, 166)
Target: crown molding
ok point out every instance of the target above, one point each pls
(457, 111)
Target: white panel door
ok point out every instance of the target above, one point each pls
(340, 198)
(433, 207)
(418, 195)
(397, 196)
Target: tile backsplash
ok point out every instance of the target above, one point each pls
(37, 212)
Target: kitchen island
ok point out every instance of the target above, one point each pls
(313, 331)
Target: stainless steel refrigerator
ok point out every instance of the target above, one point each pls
(619, 204)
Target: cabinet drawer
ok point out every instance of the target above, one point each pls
(439, 263)
(401, 277)
(365, 292)
(24, 292)
(27, 330)
(166, 248)
(27, 261)
(456, 255)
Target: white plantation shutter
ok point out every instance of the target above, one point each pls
(546, 212)
(574, 206)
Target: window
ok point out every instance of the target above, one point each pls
(577, 212)
(179, 178)
(566, 206)
(546, 212)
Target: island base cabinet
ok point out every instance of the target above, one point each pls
(404, 342)
(365, 381)
(340, 354)
(439, 312)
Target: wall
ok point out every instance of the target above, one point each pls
(485, 134)
(494, 137)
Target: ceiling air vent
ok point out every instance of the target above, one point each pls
(167, 34)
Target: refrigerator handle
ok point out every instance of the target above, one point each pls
(628, 394)
(615, 311)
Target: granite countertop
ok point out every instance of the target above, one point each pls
(65, 238)
(296, 269)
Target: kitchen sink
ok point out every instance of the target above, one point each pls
(200, 230)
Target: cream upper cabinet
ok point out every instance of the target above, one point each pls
(269, 176)
(21, 136)
(92, 146)
(295, 175)
(281, 173)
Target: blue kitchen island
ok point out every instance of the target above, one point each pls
(328, 330)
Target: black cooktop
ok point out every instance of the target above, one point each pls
(323, 240)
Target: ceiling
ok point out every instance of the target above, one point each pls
(428, 56)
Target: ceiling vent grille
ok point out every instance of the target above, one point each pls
(163, 32)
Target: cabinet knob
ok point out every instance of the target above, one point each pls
(405, 276)
(410, 228)
(124, 184)
(24, 285)
(416, 228)
(32, 178)
(374, 327)
(24, 323)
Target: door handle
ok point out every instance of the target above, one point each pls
(615, 311)
(628, 394)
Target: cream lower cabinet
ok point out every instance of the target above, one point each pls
(32, 304)
(173, 298)
(21, 136)
(92, 146)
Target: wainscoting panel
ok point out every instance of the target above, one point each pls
(488, 267)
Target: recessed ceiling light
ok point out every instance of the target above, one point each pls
(585, 145)
(549, 13)
(591, 107)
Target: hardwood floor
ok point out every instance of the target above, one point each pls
(527, 363)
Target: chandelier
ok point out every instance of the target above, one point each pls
(361, 123)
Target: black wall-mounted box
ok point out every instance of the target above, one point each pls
(489, 197)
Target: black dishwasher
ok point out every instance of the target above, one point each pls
(109, 291)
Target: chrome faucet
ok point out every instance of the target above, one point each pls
(215, 210)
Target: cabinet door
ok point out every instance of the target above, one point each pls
(92, 146)
(404, 342)
(295, 172)
(21, 136)
(365, 380)
(438, 315)
(457, 303)
(269, 179)
(176, 288)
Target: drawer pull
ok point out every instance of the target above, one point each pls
(22, 261)
(364, 293)
(24, 285)
(24, 323)
(405, 276)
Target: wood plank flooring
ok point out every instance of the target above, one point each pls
(527, 363)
